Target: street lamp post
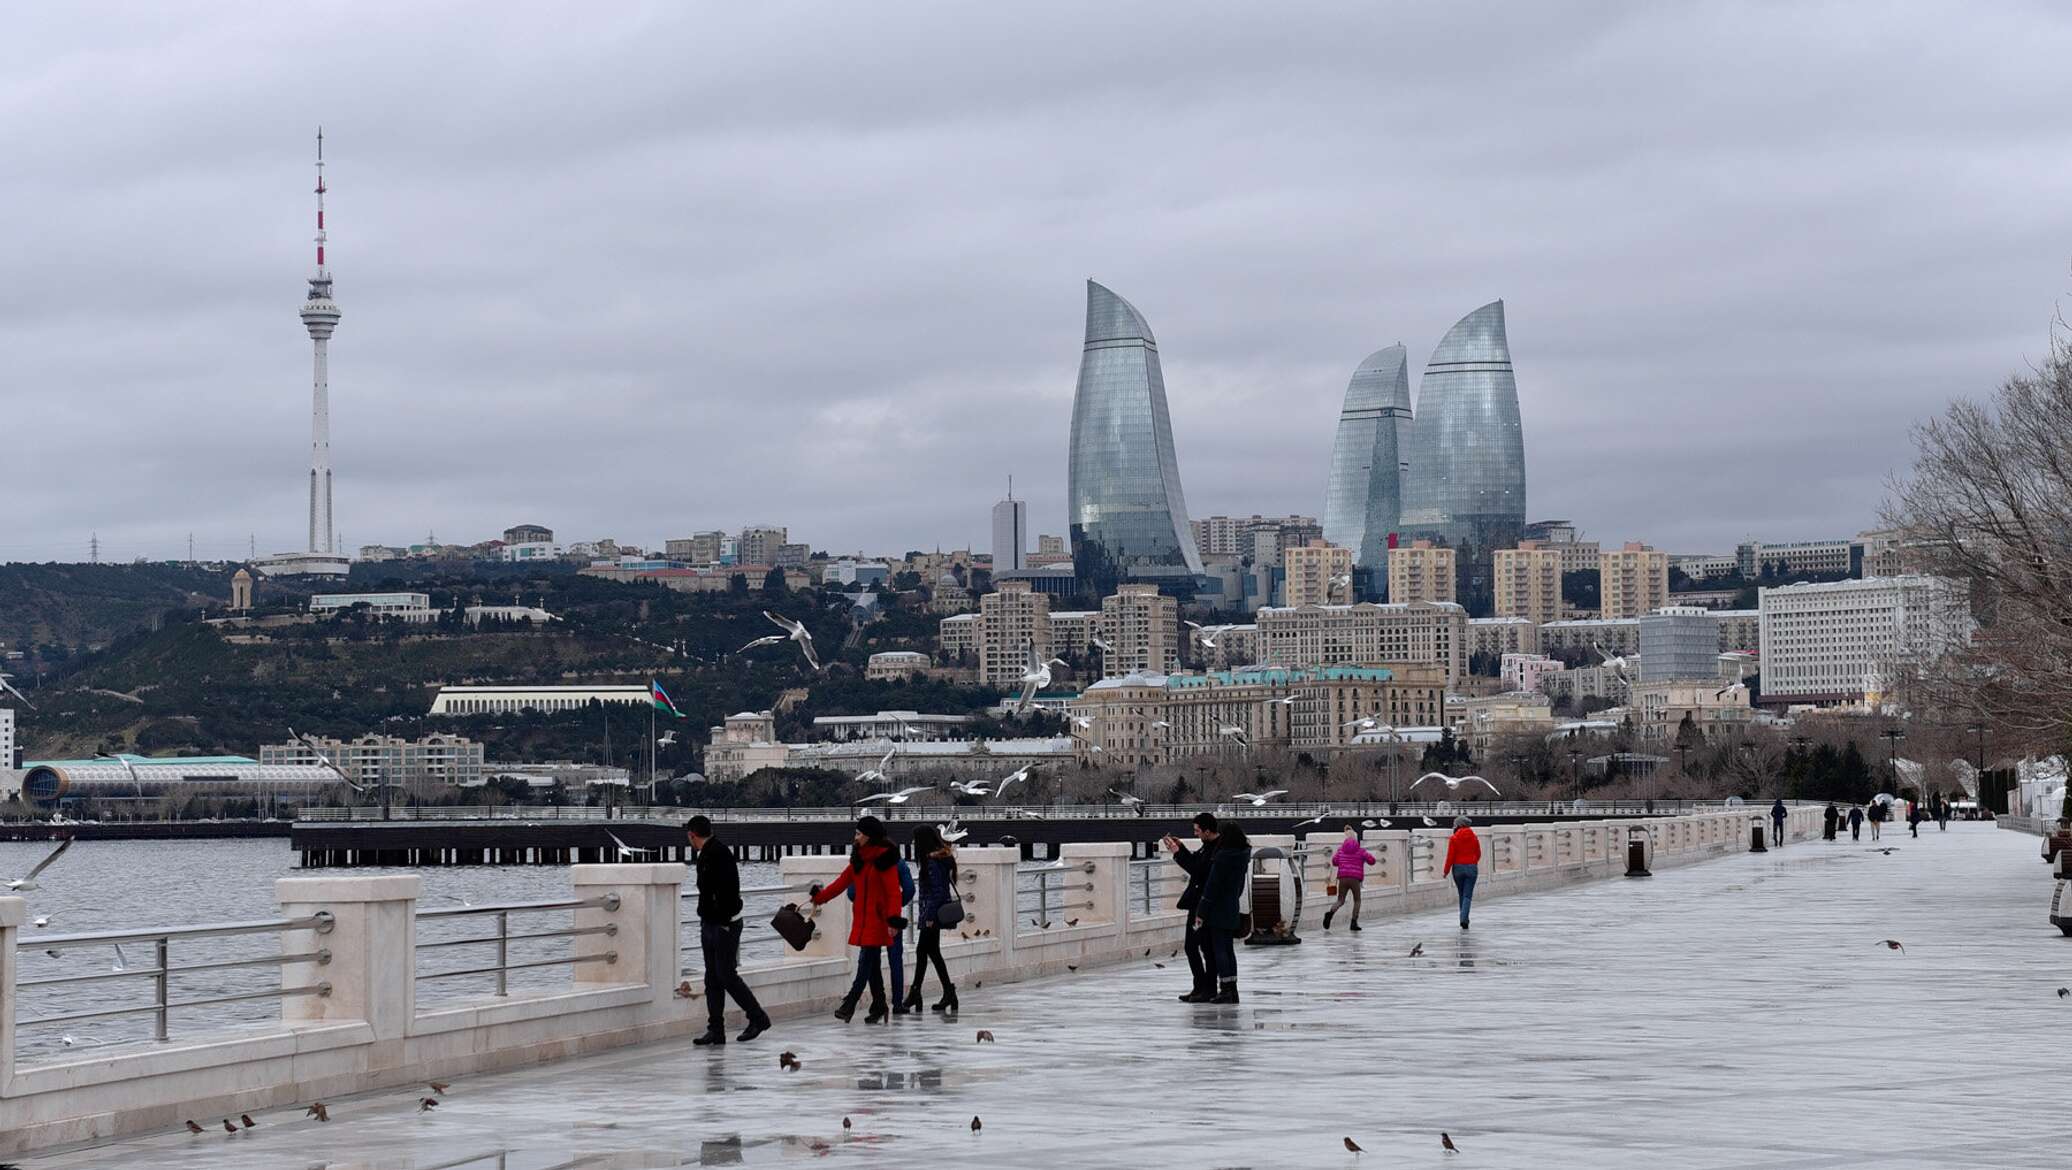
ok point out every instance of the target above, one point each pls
(1892, 737)
(1575, 771)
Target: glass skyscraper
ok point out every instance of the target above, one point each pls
(1465, 486)
(1363, 499)
(1128, 516)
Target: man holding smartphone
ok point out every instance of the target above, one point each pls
(1196, 863)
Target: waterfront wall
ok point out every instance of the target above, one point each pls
(365, 1029)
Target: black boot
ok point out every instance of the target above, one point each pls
(878, 1013)
(913, 1000)
(847, 1011)
(1227, 993)
(1203, 993)
(756, 1027)
(1353, 925)
(948, 1005)
(1327, 917)
(713, 1038)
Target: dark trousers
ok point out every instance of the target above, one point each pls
(1196, 942)
(930, 951)
(1223, 949)
(896, 956)
(868, 973)
(720, 944)
(1856, 830)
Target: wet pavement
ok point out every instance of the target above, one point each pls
(1741, 1012)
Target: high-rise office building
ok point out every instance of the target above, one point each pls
(1422, 571)
(1465, 485)
(1363, 497)
(1010, 533)
(1128, 514)
(1679, 642)
(1842, 641)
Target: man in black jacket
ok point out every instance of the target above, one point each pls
(1196, 863)
(719, 935)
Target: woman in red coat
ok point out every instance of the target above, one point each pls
(1463, 863)
(873, 870)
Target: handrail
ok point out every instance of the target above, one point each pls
(606, 901)
(320, 989)
(609, 902)
(319, 922)
(502, 967)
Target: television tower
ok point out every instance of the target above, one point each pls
(320, 317)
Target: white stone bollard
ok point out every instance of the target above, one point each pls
(373, 944)
(645, 947)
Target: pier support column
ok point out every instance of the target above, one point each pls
(13, 912)
(373, 944)
(645, 947)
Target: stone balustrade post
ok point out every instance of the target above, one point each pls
(1539, 848)
(986, 880)
(831, 922)
(13, 912)
(372, 939)
(644, 944)
(1503, 852)
(1109, 899)
(1318, 872)
(1391, 849)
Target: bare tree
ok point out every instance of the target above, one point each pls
(1989, 502)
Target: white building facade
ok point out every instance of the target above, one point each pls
(1848, 641)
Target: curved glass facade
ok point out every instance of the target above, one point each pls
(1364, 496)
(1465, 486)
(1128, 516)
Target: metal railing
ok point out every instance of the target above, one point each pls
(1053, 886)
(162, 974)
(941, 810)
(690, 941)
(1150, 884)
(501, 914)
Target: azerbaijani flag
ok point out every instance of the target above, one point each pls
(660, 698)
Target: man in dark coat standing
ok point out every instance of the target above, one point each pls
(1196, 938)
(719, 935)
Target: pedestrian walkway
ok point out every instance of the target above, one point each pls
(1742, 1012)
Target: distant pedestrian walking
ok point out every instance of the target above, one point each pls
(1942, 813)
(719, 935)
(1463, 864)
(1777, 819)
(1221, 911)
(1878, 813)
(1829, 818)
(873, 870)
(1856, 822)
(1193, 936)
(1914, 817)
(1350, 865)
(937, 882)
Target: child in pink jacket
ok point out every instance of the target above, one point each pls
(1351, 862)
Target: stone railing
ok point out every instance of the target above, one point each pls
(355, 1023)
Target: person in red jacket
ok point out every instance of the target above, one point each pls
(874, 919)
(1463, 863)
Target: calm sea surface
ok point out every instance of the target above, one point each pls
(130, 885)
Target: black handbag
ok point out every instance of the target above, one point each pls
(950, 913)
(793, 926)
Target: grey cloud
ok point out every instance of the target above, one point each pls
(653, 268)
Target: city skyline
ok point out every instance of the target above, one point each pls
(550, 278)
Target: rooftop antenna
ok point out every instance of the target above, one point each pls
(93, 548)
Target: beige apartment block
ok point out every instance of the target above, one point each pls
(1421, 572)
(1142, 629)
(1528, 581)
(1010, 620)
(1318, 573)
(1632, 581)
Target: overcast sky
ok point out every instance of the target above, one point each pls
(637, 270)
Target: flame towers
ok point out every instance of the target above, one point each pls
(1364, 497)
(1128, 516)
(1465, 483)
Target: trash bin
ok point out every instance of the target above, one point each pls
(1755, 836)
(1637, 840)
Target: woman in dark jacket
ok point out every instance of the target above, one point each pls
(873, 870)
(936, 865)
(1220, 911)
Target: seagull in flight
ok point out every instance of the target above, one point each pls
(128, 768)
(1160, 725)
(765, 640)
(625, 851)
(952, 832)
(8, 688)
(1102, 646)
(1209, 634)
(667, 738)
(1126, 798)
(1364, 723)
(1035, 677)
(970, 788)
(900, 797)
(1729, 689)
(28, 881)
(1236, 733)
(879, 772)
(1082, 722)
(797, 632)
(1453, 783)
(1258, 799)
(1289, 701)
(1021, 773)
(1319, 819)
(324, 760)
